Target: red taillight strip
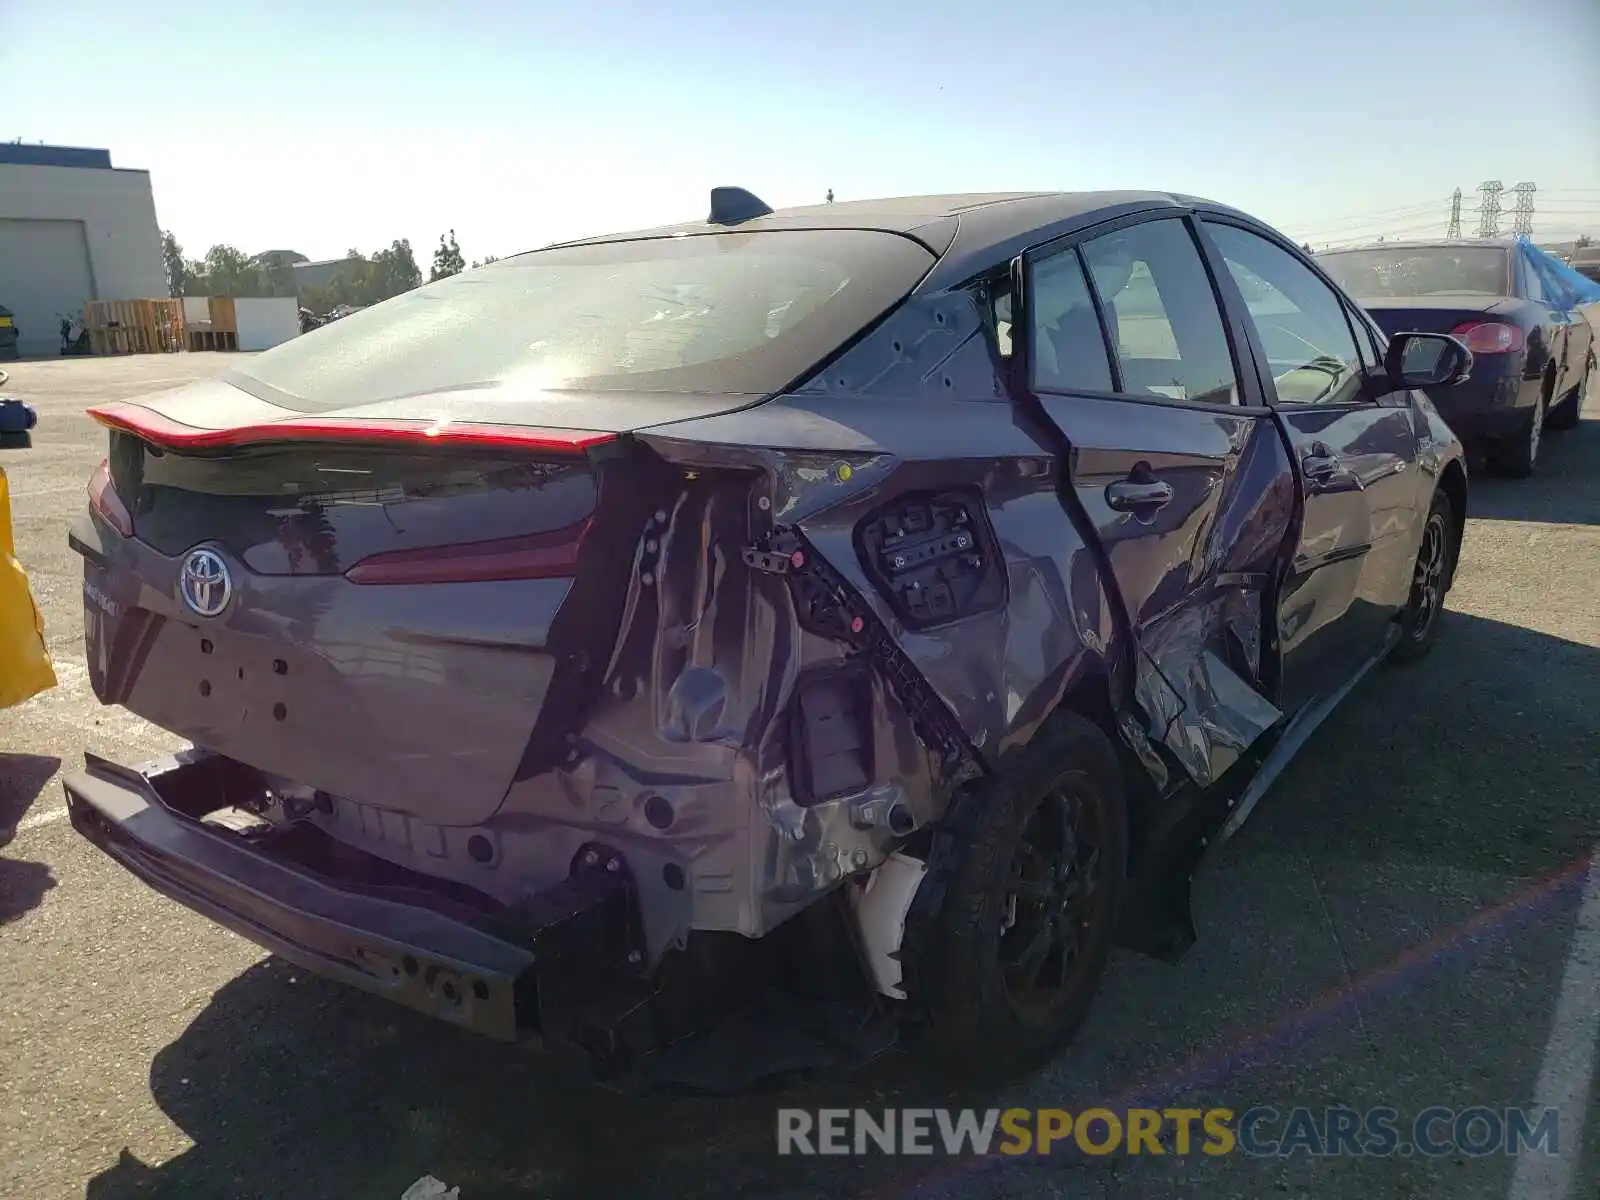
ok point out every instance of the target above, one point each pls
(161, 430)
(1490, 337)
(104, 501)
(534, 556)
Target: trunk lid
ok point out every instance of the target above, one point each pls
(389, 622)
(1430, 314)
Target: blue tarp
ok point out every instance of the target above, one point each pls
(1563, 286)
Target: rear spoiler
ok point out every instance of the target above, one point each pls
(161, 430)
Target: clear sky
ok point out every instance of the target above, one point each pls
(320, 126)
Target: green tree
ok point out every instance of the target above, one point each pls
(367, 280)
(229, 271)
(172, 258)
(485, 260)
(392, 271)
(447, 259)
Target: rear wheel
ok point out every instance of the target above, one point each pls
(1419, 624)
(1566, 414)
(1029, 918)
(1520, 457)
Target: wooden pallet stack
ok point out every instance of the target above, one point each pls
(134, 326)
(161, 326)
(211, 323)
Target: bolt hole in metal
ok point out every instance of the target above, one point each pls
(280, 711)
(480, 989)
(672, 876)
(410, 964)
(205, 687)
(658, 811)
(479, 848)
(205, 646)
(279, 667)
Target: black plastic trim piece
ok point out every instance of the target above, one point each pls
(934, 557)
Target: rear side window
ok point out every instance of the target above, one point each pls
(1069, 344)
(1150, 303)
(729, 312)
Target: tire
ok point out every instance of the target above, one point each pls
(1566, 415)
(1519, 458)
(1430, 577)
(1002, 900)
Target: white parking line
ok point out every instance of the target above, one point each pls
(35, 820)
(1569, 1056)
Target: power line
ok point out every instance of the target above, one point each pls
(1356, 220)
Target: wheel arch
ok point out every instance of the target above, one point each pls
(1453, 483)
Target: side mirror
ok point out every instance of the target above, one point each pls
(1427, 360)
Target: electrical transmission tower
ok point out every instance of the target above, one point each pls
(1455, 215)
(1489, 210)
(1523, 212)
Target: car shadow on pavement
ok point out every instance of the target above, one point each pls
(1569, 472)
(1473, 764)
(22, 887)
(22, 884)
(22, 778)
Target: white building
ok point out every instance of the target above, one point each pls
(72, 228)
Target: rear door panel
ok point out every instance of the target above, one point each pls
(1192, 574)
(1192, 500)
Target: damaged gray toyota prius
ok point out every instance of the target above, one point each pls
(717, 652)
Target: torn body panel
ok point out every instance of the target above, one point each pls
(1196, 572)
(849, 449)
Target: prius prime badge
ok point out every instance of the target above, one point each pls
(204, 582)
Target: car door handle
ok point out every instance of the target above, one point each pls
(1319, 466)
(1138, 495)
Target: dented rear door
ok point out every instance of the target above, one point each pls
(1177, 466)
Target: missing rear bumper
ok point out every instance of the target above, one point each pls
(562, 969)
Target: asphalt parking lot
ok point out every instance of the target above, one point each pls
(1393, 928)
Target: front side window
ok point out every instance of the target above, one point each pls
(1299, 320)
(1156, 307)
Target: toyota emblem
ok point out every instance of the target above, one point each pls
(204, 582)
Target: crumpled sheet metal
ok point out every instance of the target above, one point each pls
(1200, 706)
(692, 720)
(1201, 654)
(1002, 672)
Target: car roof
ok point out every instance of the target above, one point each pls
(969, 231)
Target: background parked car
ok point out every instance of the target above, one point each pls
(1532, 349)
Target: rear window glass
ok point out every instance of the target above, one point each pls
(730, 312)
(1425, 271)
